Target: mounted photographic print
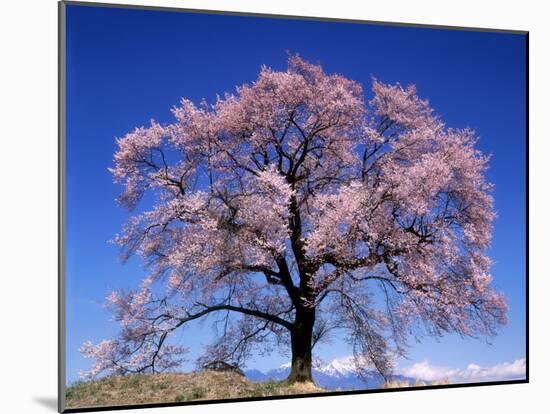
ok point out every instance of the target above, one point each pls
(258, 207)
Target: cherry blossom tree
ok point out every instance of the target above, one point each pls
(293, 209)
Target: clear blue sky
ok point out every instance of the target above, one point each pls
(125, 67)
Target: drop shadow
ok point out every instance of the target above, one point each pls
(48, 402)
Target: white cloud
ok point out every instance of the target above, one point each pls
(472, 373)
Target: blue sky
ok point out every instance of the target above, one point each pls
(125, 67)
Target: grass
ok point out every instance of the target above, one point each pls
(405, 384)
(159, 388)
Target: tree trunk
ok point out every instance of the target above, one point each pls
(301, 341)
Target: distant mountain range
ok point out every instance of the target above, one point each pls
(337, 375)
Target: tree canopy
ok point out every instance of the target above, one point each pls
(293, 209)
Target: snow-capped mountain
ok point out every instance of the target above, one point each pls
(338, 367)
(339, 374)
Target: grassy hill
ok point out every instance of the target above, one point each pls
(160, 388)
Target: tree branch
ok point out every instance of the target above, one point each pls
(246, 311)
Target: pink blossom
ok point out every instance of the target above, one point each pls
(291, 207)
